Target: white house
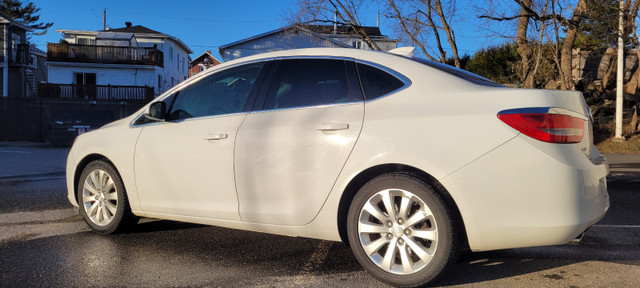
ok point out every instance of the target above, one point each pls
(305, 36)
(121, 63)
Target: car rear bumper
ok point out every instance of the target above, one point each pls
(529, 193)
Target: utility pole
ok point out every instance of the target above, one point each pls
(620, 74)
(104, 19)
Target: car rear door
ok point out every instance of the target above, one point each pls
(290, 152)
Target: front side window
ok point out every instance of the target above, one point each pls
(224, 92)
(312, 82)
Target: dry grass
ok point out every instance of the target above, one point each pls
(631, 145)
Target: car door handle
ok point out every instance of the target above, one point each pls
(216, 136)
(328, 127)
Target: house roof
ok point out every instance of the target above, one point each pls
(137, 30)
(7, 20)
(205, 54)
(280, 30)
(34, 50)
(341, 29)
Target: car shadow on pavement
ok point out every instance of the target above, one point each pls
(159, 253)
(512, 263)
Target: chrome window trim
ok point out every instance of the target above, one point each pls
(185, 119)
(306, 107)
(405, 80)
(196, 79)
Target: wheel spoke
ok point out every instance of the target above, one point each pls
(404, 206)
(425, 234)
(89, 199)
(110, 186)
(98, 215)
(406, 261)
(372, 228)
(105, 214)
(390, 255)
(416, 218)
(419, 250)
(375, 212)
(374, 246)
(94, 182)
(92, 208)
(90, 188)
(388, 204)
(112, 196)
(111, 207)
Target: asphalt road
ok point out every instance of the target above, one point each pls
(44, 243)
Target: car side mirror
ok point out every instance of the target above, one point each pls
(158, 111)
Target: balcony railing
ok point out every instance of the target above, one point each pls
(95, 92)
(104, 54)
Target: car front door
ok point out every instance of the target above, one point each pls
(289, 154)
(184, 165)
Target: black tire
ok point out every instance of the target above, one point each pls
(403, 232)
(103, 200)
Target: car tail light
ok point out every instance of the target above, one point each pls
(544, 125)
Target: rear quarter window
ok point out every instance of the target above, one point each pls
(377, 83)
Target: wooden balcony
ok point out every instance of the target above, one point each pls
(96, 92)
(64, 52)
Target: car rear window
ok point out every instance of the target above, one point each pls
(466, 75)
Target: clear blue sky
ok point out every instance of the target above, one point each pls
(202, 25)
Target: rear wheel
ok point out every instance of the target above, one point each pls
(401, 230)
(102, 198)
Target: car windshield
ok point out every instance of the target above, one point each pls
(466, 75)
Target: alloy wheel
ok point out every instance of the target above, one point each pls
(398, 231)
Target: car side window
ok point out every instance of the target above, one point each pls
(225, 92)
(376, 82)
(312, 82)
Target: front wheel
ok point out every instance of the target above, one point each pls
(401, 230)
(102, 198)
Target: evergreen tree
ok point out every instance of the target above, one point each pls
(25, 13)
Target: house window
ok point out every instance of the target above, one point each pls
(85, 85)
(34, 61)
(171, 53)
(356, 44)
(15, 40)
(86, 41)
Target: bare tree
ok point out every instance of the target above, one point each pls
(423, 20)
(339, 12)
(419, 21)
(536, 12)
(571, 26)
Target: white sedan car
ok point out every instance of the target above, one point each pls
(407, 161)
